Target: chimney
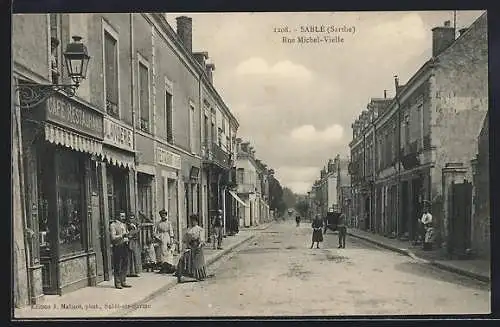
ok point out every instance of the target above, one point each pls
(184, 31)
(385, 94)
(462, 31)
(201, 58)
(442, 38)
(209, 68)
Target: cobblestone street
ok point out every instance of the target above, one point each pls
(277, 274)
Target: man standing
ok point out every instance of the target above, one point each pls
(342, 228)
(426, 220)
(217, 228)
(119, 240)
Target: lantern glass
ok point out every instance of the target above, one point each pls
(77, 60)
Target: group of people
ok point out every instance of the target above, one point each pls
(158, 252)
(318, 225)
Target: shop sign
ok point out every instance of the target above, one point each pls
(74, 115)
(167, 158)
(118, 135)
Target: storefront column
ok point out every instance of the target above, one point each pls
(106, 220)
(132, 186)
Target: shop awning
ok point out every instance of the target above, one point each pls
(72, 140)
(237, 198)
(117, 158)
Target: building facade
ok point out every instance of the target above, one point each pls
(252, 187)
(401, 145)
(131, 139)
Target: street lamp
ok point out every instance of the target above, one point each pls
(77, 60)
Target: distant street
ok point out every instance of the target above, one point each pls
(277, 274)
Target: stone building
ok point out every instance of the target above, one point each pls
(130, 139)
(252, 186)
(481, 217)
(325, 190)
(432, 121)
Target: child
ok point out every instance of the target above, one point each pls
(149, 256)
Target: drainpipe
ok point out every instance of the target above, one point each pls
(399, 157)
(132, 98)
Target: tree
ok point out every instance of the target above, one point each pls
(289, 198)
(276, 202)
(302, 207)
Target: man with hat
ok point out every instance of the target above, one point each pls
(119, 240)
(218, 230)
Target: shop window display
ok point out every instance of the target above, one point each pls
(69, 202)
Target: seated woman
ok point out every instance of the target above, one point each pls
(192, 261)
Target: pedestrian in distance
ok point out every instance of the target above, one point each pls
(134, 247)
(342, 229)
(218, 230)
(119, 240)
(192, 261)
(297, 220)
(317, 235)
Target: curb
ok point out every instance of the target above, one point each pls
(171, 284)
(436, 264)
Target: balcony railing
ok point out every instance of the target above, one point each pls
(215, 153)
(247, 188)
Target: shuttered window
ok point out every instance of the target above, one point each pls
(144, 97)
(111, 74)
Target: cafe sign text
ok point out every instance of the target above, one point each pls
(74, 115)
(118, 135)
(167, 158)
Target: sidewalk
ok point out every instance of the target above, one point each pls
(479, 269)
(104, 300)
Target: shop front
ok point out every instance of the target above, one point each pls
(62, 140)
(168, 166)
(191, 186)
(117, 174)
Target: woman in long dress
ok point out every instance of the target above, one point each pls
(192, 261)
(317, 235)
(134, 248)
(164, 234)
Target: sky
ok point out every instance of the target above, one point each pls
(296, 102)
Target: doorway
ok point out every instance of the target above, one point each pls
(405, 210)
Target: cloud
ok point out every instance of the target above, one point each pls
(282, 69)
(308, 133)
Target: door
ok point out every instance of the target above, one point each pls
(416, 208)
(460, 220)
(98, 236)
(405, 210)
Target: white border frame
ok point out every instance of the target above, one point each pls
(141, 60)
(107, 28)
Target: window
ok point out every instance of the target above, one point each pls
(69, 201)
(144, 97)
(205, 129)
(111, 74)
(168, 117)
(219, 137)
(240, 172)
(192, 127)
(407, 130)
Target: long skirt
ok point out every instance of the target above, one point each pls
(317, 236)
(192, 264)
(134, 258)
